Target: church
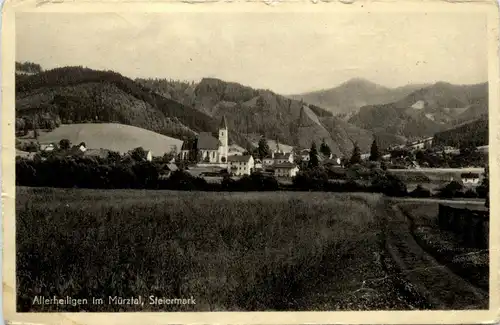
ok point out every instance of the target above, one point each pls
(209, 148)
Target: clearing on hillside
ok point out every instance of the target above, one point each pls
(113, 136)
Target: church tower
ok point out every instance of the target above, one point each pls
(223, 138)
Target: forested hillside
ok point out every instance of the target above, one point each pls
(426, 111)
(254, 112)
(76, 95)
(470, 134)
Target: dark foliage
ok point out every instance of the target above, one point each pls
(76, 110)
(450, 190)
(28, 67)
(356, 155)
(472, 134)
(374, 152)
(313, 156)
(389, 185)
(420, 191)
(325, 149)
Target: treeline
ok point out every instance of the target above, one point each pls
(28, 67)
(72, 76)
(470, 134)
(437, 158)
(135, 173)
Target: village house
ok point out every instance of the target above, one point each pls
(280, 158)
(285, 169)
(304, 155)
(47, 147)
(235, 150)
(211, 149)
(258, 164)
(421, 144)
(240, 165)
(167, 170)
(267, 161)
(470, 178)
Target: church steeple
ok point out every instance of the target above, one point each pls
(223, 123)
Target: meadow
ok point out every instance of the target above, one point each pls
(230, 251)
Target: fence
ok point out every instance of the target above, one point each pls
(472, 226)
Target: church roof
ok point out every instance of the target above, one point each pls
(223, 123)
(206, 141)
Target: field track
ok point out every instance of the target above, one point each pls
(442, 288)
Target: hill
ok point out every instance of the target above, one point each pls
(112, 136)
(76, 94)
(353, 94)
(255, 112)
(426, 111)
(474, 133)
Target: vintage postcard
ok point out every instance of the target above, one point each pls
(247, 163)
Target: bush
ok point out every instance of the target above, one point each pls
(310, 180)
(451, 190)
(182, 180)
(470, 193)
(389, 185)
(254, 182)
(420, 191)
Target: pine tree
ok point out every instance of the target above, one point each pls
(313, 156)
(325, 149)
(263, 149)
(356, 155)
(374, 153)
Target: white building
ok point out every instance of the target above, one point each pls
(286, 169)
(240, 165)
(211, 149)
(280, 158)
(470, 178)
(48, 147)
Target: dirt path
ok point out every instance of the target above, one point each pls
(442, 288)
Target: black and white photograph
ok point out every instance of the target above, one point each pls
(251, 161)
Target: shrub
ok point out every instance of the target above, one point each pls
(389, 185)
(420, 191)
(470, 193)
(315, 179)
(450, 190)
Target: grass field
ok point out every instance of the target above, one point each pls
(113, 136)
(230, 251)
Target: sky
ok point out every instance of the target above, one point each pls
(289, 53)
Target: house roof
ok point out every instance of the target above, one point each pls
(239, 158)
(206, 141)
(470, 175)
(285, 165)
(171, 167)
(282, 155)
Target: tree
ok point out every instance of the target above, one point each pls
(263, 148)
(138, 154)
(356, 155)
(313, 156)
(325, 149)
(64, 144)
(374, 152)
